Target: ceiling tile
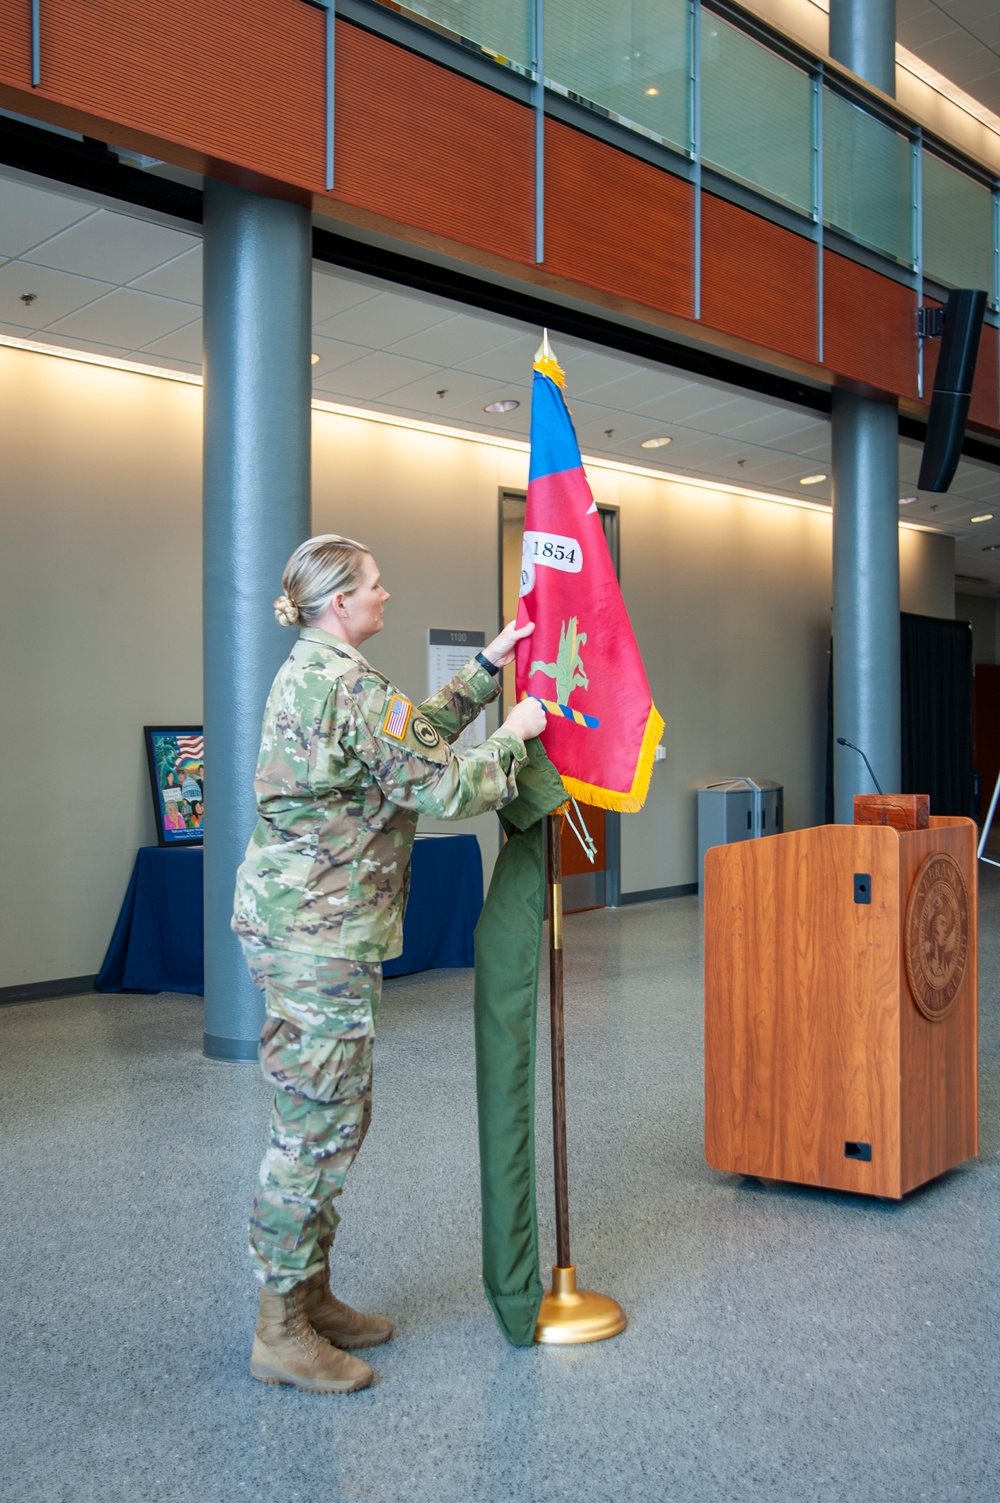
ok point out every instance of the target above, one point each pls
(812, 439)
(514, 424)
(507, 362)
(183, 344)
(460, 387)
(382, 320)
(56, 293)
(784, 469)
(920, 32)
(126, 318)
(372, 376)
(586, 370)
(333, 354)
(29, 215)
(332, 294)
(694, 405)
(455, 339)
(628, 428)
(179, 278)
(636, 390)
(775, 426)
(114, 247)
(696, 451)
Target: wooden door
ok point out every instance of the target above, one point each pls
(986, 738)
(585, 885)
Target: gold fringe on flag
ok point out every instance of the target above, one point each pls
(632, 801)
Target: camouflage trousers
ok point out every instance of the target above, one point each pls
(316, 1050)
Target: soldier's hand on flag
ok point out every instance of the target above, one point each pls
(527, 719)
(501, 650)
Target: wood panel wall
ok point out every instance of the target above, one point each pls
(984, 408)
(237, 81)
(617, 223)
(433, 149)
(758, 279)
(869, 326)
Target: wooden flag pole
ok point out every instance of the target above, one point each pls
(568, 1316)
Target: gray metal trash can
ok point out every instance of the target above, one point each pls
(731, 809)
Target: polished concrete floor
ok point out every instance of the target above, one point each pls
(784, 1344)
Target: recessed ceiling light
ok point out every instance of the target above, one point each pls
(655, 443)
(652, 91)
(316, 359)
(907, 500)
(507, 405)
(987, 516)
(811, 479)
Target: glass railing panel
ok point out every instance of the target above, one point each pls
(958, 227)
(630, 58)
(867, 178)
(506, 31)
(756, 114)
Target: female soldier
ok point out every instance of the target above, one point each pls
(347, 763)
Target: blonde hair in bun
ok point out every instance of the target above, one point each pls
(285, 613)
(317, 569)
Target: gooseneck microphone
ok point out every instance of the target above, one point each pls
(841, 741)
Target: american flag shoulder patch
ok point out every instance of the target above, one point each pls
(397, 717)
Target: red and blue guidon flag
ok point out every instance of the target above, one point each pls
(582, 661)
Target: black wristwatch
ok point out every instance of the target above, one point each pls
(484, 662)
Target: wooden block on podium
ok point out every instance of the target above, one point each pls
(841, 1027)
(903, 811)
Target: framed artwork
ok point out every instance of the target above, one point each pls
(176, 757)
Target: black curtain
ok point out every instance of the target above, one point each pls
(936, 672)
(936, 714)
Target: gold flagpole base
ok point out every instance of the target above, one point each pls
(571, 1316)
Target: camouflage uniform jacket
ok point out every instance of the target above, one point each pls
(346, 765)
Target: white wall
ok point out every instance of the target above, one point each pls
(100, 499)
(100, 633)
(981, 612)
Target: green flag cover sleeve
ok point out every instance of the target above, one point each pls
(508, 947)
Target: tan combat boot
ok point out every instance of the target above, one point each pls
(286, 1349)
(335, 1321)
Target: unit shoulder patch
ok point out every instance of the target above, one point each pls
(424, 732)
(397, 717)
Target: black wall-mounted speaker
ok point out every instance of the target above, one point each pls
(963, 324)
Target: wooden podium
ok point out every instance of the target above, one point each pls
(841, 1005)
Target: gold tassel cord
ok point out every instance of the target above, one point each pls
(546, 362)
(549, 366)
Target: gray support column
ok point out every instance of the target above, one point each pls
(865, 596)
(258, 261)
(866, 682)
(863, 38)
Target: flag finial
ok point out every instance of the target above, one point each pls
(546, 362)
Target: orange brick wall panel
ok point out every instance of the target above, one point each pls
(758, 280)
(616, 223)
(870, 330)
(422, 145)
(239, 80)
(986, 387)
(15, 43)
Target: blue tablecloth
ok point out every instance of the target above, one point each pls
(158, 944)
